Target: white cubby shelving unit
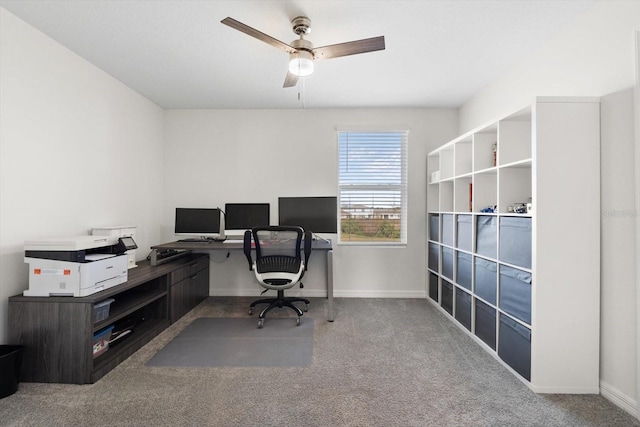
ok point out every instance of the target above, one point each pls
(525, 286)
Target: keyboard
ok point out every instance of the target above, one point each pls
(158, 257)
(167, 253)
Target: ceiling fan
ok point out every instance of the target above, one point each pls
(302, 53)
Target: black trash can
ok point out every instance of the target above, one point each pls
(10, 363)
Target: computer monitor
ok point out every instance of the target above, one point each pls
(245, 216)
(315, 214)
(201, 223)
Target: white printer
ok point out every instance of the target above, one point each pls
(76, 266)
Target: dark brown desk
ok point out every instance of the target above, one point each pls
(58, 332)
(317, 245)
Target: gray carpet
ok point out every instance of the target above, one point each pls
(383, 362)
(210, 341)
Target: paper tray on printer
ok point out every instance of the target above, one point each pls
(98, 257)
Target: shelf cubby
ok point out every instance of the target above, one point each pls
(485, 323)
(434, 227)
(446, 258)
(446, 296)
(483, 151)
(433, 165)
(486, 243)
(515, 186)
(463, 307)
(434, 287)
(463, 158)
(515, 241)
(464, 268)
(433, 198)
(447, 170)
(447, 229)
(463, 194)
(434, 257)
(446, 196)
(486, 279)
(464, 232)
(514, 138)
(485, 194)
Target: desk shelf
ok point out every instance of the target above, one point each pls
(116, 354)
(57, 332)
(132, 302)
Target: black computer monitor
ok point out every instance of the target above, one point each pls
(315, 214)
(198, 222)
(245, 216)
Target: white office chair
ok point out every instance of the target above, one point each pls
(278, 264)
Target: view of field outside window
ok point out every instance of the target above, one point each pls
(372, 181)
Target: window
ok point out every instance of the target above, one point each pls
(372, 179)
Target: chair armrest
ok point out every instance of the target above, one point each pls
(247, 248)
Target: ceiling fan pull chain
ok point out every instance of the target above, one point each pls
(301, 93)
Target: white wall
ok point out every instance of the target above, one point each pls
(78, 149)
(593, 57)
(218, 156)
(637, 182)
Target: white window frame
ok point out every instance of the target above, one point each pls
(400, 182)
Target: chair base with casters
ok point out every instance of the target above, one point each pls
(279, 302)
(278, 265)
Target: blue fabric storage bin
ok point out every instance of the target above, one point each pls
(447, 229)
(463, 308)
(515, 346)
(463, 270)
(447, 262)
(434, 227)
(515, 241)
(486, 279)
(434, 256)
(447, 297)
(486, 323)
(465, 231)
(433, 287)
(487, 236)
(515, 293)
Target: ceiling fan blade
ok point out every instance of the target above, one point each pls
(349, 48)
(237, 25)
(291, 80)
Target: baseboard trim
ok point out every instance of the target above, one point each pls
(253, 292)
(564, 390)
(380, 294)
(619, 399)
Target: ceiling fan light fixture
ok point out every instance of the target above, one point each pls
(301, 63)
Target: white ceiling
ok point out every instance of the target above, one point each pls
(179, 55)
